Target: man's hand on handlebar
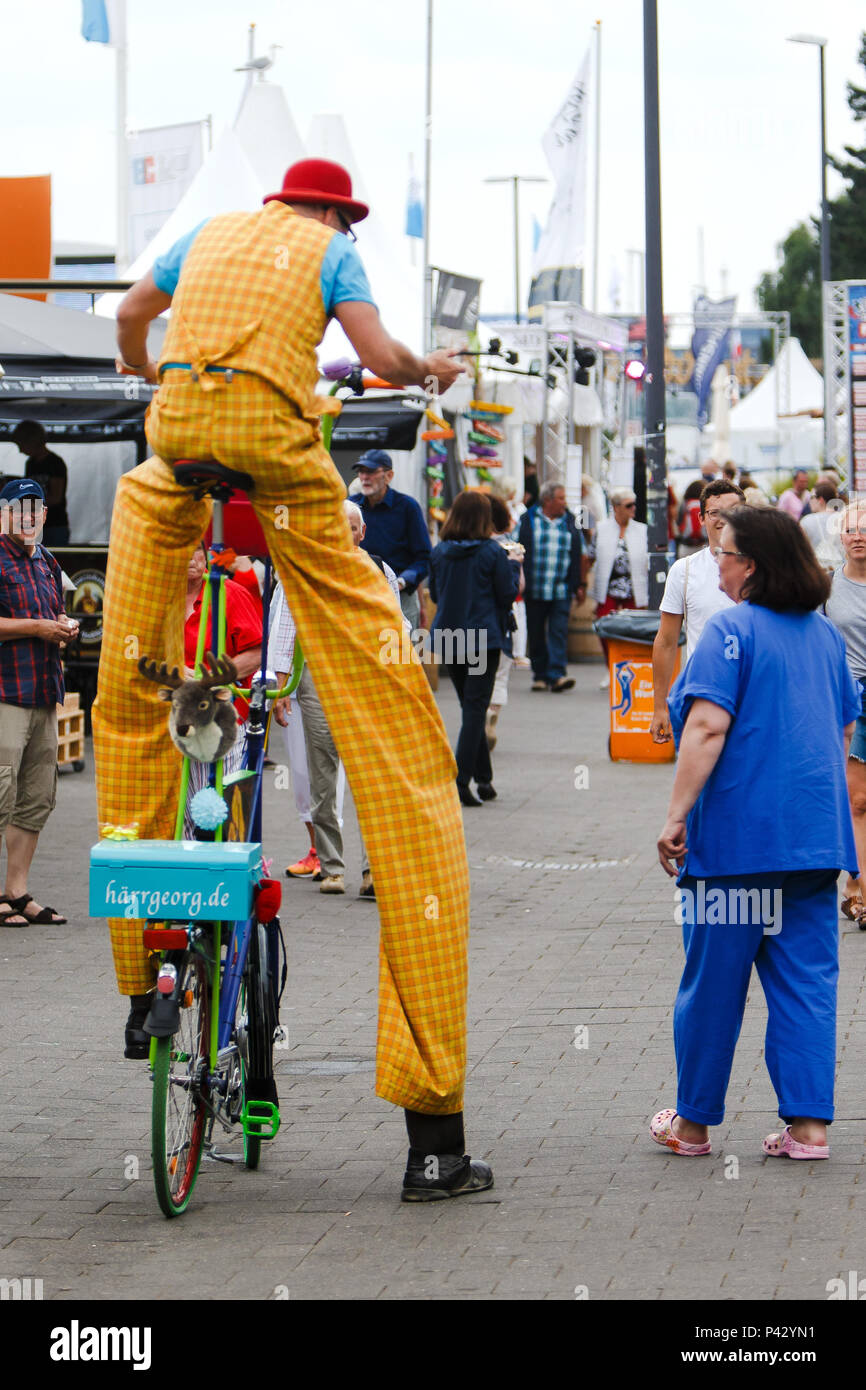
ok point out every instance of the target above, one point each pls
(442, 370)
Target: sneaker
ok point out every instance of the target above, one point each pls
(332, 883)
(367, 889)
(435, 1177)
(564, 683)
(305, 868)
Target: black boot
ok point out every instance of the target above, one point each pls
(467, 797)
(437, 1167)
(137, 1041)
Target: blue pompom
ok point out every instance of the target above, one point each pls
(208, 809)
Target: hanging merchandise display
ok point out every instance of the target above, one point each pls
(485, 433)
(437, 451)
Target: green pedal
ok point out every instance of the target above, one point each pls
(260, 1119)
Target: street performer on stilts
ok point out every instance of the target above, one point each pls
(251, 296)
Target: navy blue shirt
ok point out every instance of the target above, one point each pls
(30, 587)
(776, 800)
(474, 585)
(397, 531)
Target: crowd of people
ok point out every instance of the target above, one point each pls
(768, 711)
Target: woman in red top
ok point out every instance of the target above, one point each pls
(243, 627)
(243, 645)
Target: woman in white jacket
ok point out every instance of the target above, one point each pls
(619, 549)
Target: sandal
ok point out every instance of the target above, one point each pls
(854, 909)
(46, 916)
(13, 919)
(661, 1130)
(783, 1146)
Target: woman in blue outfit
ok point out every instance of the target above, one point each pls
(757, 831)
(474, 583)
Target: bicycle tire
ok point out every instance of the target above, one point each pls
(177, 1131)
(261, 1022)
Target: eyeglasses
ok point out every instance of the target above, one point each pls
(717, 551)
(714, 516)
(861, 531)
(347, 226)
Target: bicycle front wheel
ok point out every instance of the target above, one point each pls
(179, 1108)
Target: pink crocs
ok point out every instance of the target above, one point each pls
(661, 1130)
(783, 1146)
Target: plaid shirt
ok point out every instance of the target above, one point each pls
(30, 587)
(551, 557)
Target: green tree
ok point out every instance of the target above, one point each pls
(796, 285)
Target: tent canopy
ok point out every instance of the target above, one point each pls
(806, 392)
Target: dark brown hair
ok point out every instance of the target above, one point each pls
(469, 519)
(787, 575)
(501, 515)
(826, 491)
(720, 488)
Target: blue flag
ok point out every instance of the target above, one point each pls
(104, 21)
(713, 323)
(414, 209)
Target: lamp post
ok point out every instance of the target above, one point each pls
(654, 380)
(515, 180)
(827, 349)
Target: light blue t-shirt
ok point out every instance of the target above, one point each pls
(776, 799)
(342, 276)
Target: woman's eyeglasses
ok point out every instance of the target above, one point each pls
(717, 551)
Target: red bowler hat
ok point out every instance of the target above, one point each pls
(320, 181)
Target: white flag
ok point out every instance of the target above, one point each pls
(563, 241)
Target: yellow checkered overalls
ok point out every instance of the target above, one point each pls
(249, 297)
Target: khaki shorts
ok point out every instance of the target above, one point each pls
(28, 766)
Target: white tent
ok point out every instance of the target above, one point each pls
(773, 426)
(268, 135)
(226, 182)
(397, 286)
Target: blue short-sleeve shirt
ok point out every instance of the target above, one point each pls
(777, 798)
(342, 277)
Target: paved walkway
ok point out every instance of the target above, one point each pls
(574, 964)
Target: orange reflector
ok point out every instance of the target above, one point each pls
(172, 1167)
(187, 998)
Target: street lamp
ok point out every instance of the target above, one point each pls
(515, 180)
(829, 405)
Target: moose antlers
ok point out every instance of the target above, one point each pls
(221, 670)
(160, 674)
(218, 671)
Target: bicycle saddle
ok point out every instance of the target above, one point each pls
(207, 473)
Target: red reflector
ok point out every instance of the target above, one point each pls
(269, 895)
(166, 938)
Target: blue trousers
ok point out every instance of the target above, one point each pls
(547, 632)
(797, 960)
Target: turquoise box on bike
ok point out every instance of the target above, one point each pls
(178, 880)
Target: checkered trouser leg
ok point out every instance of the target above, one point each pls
(397, 756)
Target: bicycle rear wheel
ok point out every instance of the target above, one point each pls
(261, 1023)
(179, 1075)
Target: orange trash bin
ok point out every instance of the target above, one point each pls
(629, 635)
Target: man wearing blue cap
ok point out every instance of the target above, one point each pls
(396, 529)
(33, 628)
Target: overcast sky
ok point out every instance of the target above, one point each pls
(739, 114)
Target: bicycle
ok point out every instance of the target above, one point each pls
(215, 1016)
